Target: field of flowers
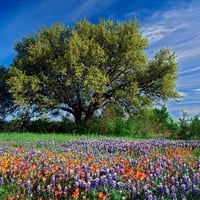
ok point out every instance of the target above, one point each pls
(100, 169)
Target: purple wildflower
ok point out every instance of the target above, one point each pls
(38, 190)
(28, 186)
(1, 181)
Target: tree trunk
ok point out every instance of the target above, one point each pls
(88, 116)
(90, 112)
(78, 116)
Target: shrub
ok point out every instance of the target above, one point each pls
(195, 127)
(189, 128)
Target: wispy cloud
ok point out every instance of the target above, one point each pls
(194, 102)
(196, 90)
(183, 94)
(190, 107)
(187, 97)
(189, 110)
(158, 32)
(90, 8)
(193, 69)
(191, 52)
(189, 82)
(177, 28)
(131, 14)
(84, 8)
(192, 111)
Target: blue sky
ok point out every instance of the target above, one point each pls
(166, 23)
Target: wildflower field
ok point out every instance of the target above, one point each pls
(100, 169)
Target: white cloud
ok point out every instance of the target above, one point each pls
(193, 69)
(83, 8)
(189, 82)
(88, 8)
(196, 90)
(178, 28)
(131, 14)
(156, 33)
(176, 111)
(190, 102)
(192, 111)
(188, 52)
(191, 107)
(183, 94)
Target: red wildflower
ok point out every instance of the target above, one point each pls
(102, 196)
(58, 192)
(140, 175)
(75, 194)
(11, 198)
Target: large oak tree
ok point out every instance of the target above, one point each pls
(80, 69)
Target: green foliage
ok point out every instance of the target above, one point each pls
(82, 68)
(45, 126)
(14, 125)
(149, 123)
(164, 122)
(184, 132)
(6, 102)
(195, 127)
(189, 128)
(117, 126)
(196, 152)
(115, 122)
(3, 192)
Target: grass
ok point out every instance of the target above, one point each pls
(15, 136)
(196, 152)
(26, 136)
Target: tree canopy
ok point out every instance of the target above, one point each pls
(80, 69)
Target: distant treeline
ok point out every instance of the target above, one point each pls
(149, 123)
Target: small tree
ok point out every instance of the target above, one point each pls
(195, 127)
(184, 124)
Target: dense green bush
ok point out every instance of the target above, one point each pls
(195, 127)
(189, 128)
(15, 125)
(64, 126)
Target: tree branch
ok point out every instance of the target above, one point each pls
(67, 110)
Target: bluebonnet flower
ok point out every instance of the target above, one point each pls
(48, 189)
(38, 190)
(196, 191)
(174, 196)
(167, 191)
(133, 192)
(28, 186)
(196, 179)
(1, 181)
(53, 180)
(183, 188)
(160, 189)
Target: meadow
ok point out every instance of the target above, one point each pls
(59, 167)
